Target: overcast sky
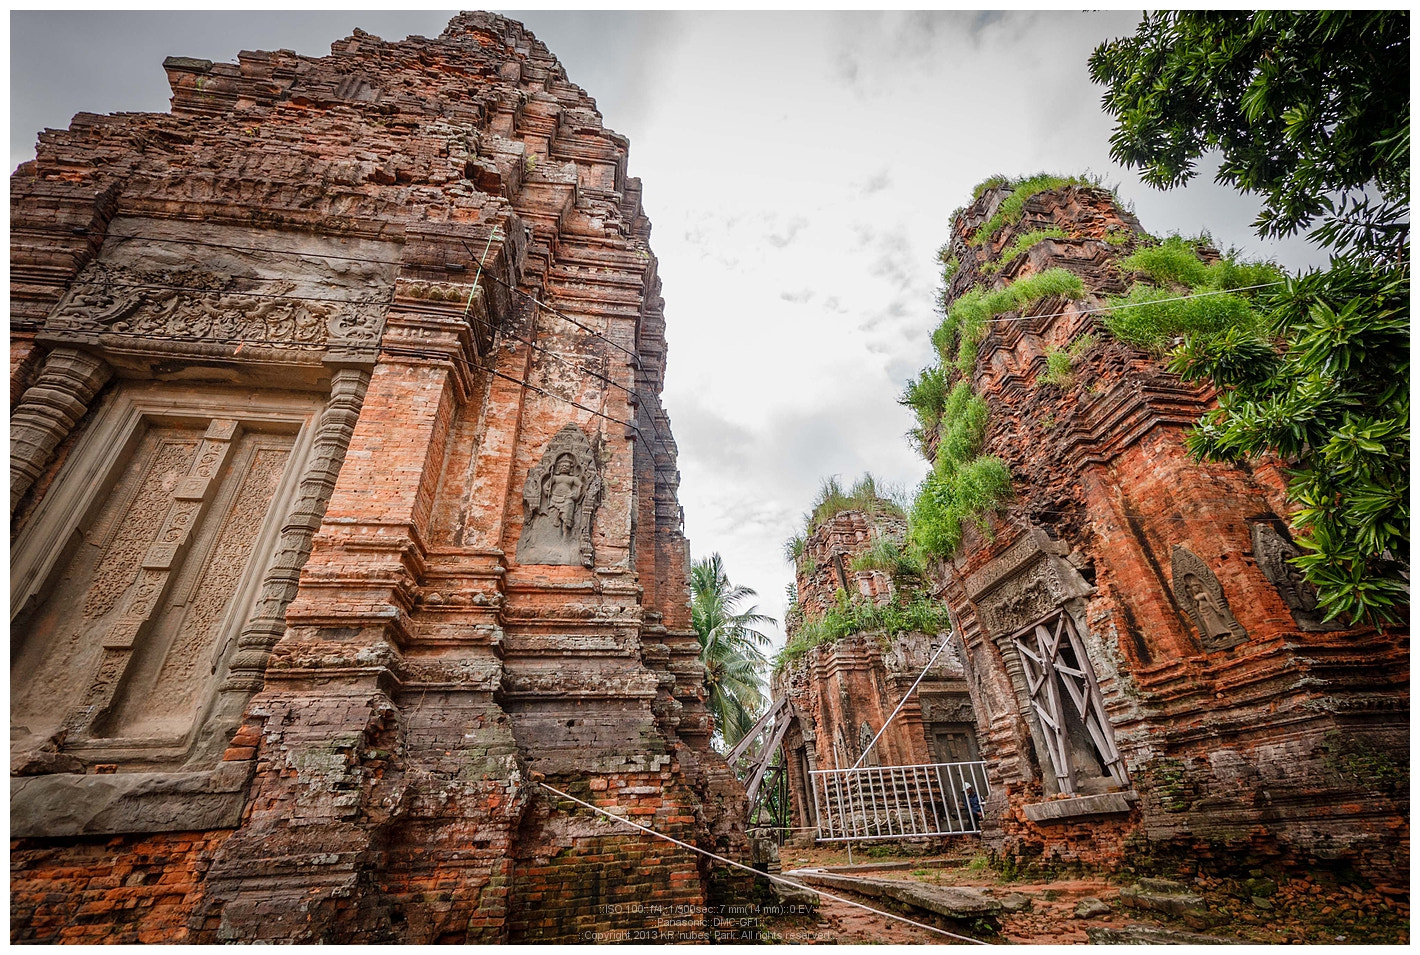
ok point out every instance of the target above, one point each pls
(800, 170)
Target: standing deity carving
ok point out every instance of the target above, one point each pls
(1201, 596)
(1273, 553)
(560, 494)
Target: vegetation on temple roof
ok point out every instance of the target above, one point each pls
(1311, 111)
(1013, 206)
(1186, 296)
(866, 495)
(918, 614)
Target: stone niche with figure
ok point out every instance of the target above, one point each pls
(559, 498)
(283, 384)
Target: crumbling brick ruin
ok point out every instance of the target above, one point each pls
(329, 540)
(843, 692)
(1152, 681)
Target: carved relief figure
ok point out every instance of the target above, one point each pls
(1201, 596)
(559, 496)
(1274, 554)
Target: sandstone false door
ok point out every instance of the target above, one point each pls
(121, 649)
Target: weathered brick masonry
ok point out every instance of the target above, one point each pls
(1247, 731)
(842, 693)
(285, 412)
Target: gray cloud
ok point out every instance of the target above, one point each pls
(799, 297)
(782, 237)
(877, 182)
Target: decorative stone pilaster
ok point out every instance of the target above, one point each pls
(48, 411)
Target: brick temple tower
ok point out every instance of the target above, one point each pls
(843, 693)
(344, 513)
(1151, 679)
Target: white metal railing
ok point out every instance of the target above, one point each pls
(897, 802)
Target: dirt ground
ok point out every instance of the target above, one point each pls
(1300, 911)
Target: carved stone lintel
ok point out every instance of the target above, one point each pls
(1199, 593)
(559, 496)
(1274, 554)
(192, 304)
(1029, 580)
(48, 411)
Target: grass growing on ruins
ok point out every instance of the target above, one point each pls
(865, 495)
(919, 614)
(949, 262)
(888, 555)
(1157, 317)
(1013, 206)
(1171, 262)
(963, 484)
(927, 396)
(1059, 362)
(966, 320)
(1021, 245)
(947, 501)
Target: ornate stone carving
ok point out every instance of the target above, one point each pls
(268, 621)
(181, 681)
(128, 540)
(195, 305)
(1199, 593)
(560, 495)
(1273, 554)
(1027, 581)
(1021, 600)
(48, 411)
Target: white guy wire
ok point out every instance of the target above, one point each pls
(901, 702)
(772, 878)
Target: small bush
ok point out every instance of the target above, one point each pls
(949, 268)
(927, 396)
(963, 425)
(990, 182)
(865, 495)
(889, 556)
(1057, 368)
(918, 614)
(1059, 362)
(966, 321)
(1230, 275)
(1172, 262)
(952, 495)
(1155, 319)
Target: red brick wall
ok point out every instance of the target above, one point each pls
(424, 676)
(119, 890)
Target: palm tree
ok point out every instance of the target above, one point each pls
(730, 647)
